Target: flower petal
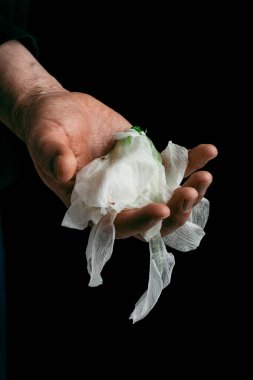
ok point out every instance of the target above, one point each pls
(100, 247)
(175, 160)
(131, 176)
(75, 216)
(161, 266)
(150, 297)
(185, 238)
(200, 213)
(188, 237)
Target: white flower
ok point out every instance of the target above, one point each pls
(133, 175)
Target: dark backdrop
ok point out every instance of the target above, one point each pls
(168, 72)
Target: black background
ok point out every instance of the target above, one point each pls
(169, 72)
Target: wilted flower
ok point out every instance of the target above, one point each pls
(133, 175)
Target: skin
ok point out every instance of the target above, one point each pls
(65, 130)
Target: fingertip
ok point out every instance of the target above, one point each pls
(212, 150)
(188, 192)
(202, 176)
(206, 177)
(158, 210)
(182, 197)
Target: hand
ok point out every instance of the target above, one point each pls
(177, 211)
(65, 131)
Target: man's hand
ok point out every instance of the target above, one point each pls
(65, 131)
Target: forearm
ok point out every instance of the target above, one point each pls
(22, 79)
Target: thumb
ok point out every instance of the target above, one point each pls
(57, 159)
(65, 164)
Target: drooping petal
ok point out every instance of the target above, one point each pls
(188, 237)
(153, 231)
(150, 297)
(200, 213)
(164, 260)
(100, 247)
(160, 270)
(75, 216)
(131, 176)
(175, 160)
(185, 238)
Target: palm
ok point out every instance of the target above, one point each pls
(82, 127)
(65, 131)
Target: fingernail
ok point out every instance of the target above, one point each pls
(188, 204)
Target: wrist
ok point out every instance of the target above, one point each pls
(22, 82)
(24, 107)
